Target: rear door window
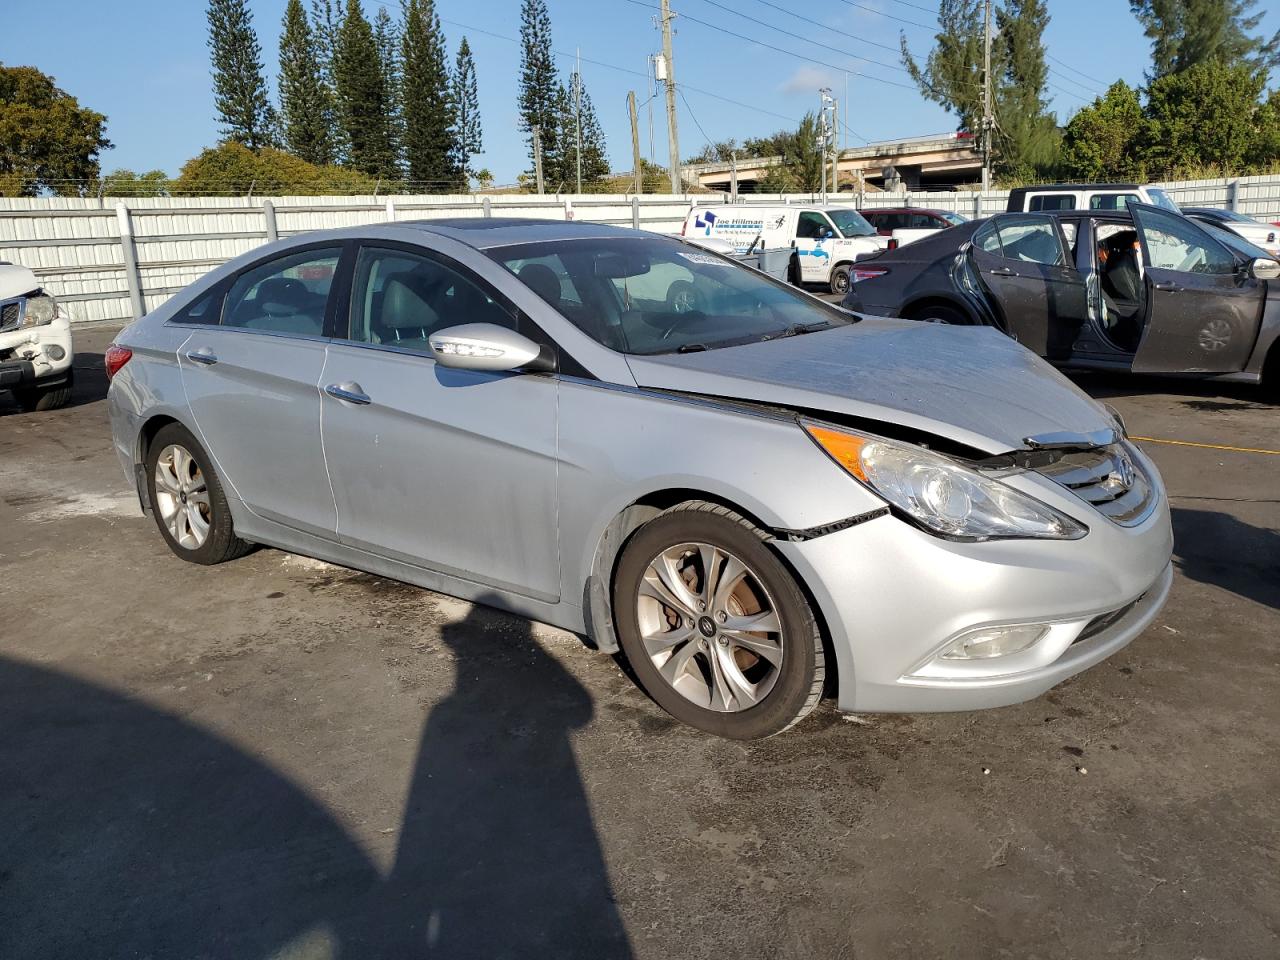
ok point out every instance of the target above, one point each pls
(1022, 238)
(1052, 201)
(285, 295)
(1112, 201)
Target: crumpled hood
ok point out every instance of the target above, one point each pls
(16, 281)
(973, 385)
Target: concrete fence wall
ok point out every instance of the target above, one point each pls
(114, 259)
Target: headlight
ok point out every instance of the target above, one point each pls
(939, 494)
(41, 309)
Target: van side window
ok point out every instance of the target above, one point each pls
(1052, 201)
(813, 226)
(1112, 201)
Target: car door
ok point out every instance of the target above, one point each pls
(814, 233)
(251, 383)
(1203, 308)
(1034, 288)
(453, 470)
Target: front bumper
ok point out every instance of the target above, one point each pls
(29, 356)
(893, 597)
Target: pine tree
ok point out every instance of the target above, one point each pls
(539, 88)
(362, 98)
(1184, 33)
(466, 104)
(1027, 135)
(240, 92)
(387, 36)
(326, 22)
(431, 149)
(305, 109)
(595, 159)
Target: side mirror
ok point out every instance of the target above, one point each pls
(482, 346)
(1264, 269)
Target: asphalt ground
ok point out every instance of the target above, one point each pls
(280, 758)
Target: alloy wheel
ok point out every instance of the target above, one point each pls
(710, 627)
(182, 497)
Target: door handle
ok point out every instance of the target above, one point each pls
(203, 355)
(1166, 285)
(350, 392)
(1002, 272)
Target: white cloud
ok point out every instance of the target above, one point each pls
(809, 80)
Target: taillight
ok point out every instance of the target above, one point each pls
(858, 274)
(893, 243)
(115, 358)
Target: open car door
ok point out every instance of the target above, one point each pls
(1031, 283)
(1203, 307)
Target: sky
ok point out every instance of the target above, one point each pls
(145, 64)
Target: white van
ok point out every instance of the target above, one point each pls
(826, 240)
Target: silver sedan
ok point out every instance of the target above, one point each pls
(753, 494)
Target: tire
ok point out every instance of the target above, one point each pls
(47, 398)
(1270, 386)
(793, 273)
(711, 659)
(840, 280)
(201, 494)
(941, 314)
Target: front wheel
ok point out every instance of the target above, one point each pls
(44, 398)
(715, 627)
(187, 499)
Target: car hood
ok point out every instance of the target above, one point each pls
(16, 281)
(972, 385)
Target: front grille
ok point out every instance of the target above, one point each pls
(1106, 478)
(10, 315)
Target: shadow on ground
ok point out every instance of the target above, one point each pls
(1247, 569)
(129, 832)
(90, 387)
(1208, 396)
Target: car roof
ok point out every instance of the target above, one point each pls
(904, 210)
(484, 233)
(1064, 187)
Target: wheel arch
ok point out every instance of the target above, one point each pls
(597, 605)
(918, 305)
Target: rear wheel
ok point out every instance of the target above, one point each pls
(940, 313)
(840, 280)
(714, 626)
(187, 499)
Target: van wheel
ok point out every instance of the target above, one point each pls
(840, 280)
(714, 626)
(793, 272)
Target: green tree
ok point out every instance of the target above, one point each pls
(801, 168)
(1266, 150)
(1027, 136)
(466, 104)
(387, 36)
(362, 98)
(573, 105)
(326, 22)
(47, 140)
(539, 87)
(1184, 33)
(1205, 115)
(234, 169)
(952, 74)
(1107, 139)
(240, 90)
(719, 152)
(127, 183)
(306, 113)
(484, 179)
(431, 146)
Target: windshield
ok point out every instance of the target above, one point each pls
(851, 223)
(1161, 199)
(648, 295)
(1235, 241)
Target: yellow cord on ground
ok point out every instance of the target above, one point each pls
(1207, 446)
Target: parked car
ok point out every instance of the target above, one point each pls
(36, 353)
(826, 239)
(1147, 290)
(510, 411)
(1264, 235)
(1085, 196)
(905, 224)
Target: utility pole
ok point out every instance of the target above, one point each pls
(673, 136)
(986, 96)
(733, 176)
(537, 156)
(577, 113)
(635, 141)
(824, 134)
(835, 147)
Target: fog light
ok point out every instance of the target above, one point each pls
(54, 352)
(982, 643)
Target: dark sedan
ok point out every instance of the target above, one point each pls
(1146, 290)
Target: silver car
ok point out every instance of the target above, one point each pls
(753, 494)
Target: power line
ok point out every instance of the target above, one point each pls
(791, 13)
(1080, 72)
(890, 16)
